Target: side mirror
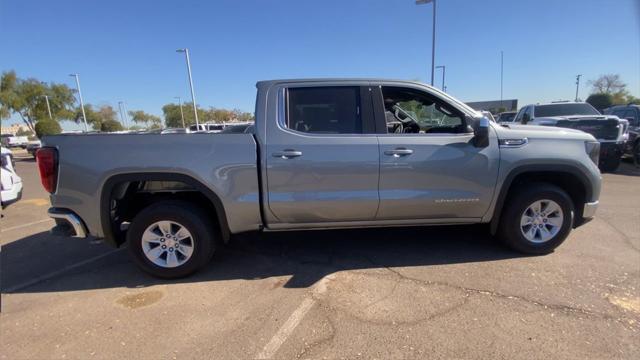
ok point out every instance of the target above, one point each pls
(481, 132)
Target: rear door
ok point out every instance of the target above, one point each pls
(322, 155)
(429, 166)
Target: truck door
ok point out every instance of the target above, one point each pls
(429, 165)
(322, 155)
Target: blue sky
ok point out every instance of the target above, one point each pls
(125, 50)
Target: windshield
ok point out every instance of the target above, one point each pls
(507, 117)
(564, 110)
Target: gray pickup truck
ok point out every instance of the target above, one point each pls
(324, 154)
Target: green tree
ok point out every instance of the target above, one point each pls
(26, 97)
(110, 125)
(173, 119)
(95, 118)
(47, 127)
(22, 132)
(600, 101)
(148, 120)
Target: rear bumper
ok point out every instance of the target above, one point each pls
(12, 195)
(589, 210)
(67, 223)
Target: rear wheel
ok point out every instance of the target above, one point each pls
(171, 239)
(537, 219)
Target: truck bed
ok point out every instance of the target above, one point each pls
(224, 163)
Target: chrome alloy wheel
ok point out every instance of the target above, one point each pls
(167, 244)
(541, 221)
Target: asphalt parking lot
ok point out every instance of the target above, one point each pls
(389, 293)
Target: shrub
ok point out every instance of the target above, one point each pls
(47, 127)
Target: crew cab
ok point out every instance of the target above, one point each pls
(611, 131)
(324, 154)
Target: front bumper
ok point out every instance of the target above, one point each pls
(611, 149)
(67, 223)
(589, 210)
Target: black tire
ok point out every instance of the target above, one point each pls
(610, 164)
(189, 216)
(636, 153)
(522, 197)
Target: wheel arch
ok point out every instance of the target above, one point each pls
(563, 176)
(114, 182)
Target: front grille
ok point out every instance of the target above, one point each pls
(600, 129)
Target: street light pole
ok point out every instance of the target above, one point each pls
(181, 113)
(577, 85)
(433, 36)
(501, 74)
(193, 96)
(444, 68)
(46, 98)
(121, 116)
(84, 116)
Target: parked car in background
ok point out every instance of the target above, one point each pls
(488, 115)
(322, 156)
(611, 132)
(174, 131)
(506, 117)
(212, 128)
(10, 182)
(238, 128)
(632, 114)
(9, 141)
(33, 146)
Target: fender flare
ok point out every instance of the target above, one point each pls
(515, 172)
(111, 182)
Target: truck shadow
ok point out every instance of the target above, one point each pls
(42, 263)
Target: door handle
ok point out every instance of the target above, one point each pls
(399, 152)
(287, 154)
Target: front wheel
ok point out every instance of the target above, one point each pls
(537, 219)
(171, 239)
(610, 164)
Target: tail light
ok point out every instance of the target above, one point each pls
(47, 159)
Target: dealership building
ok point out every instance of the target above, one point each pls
(495, 106)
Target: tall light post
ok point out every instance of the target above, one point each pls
(121, 115)
(444, 68)
(84, 116)
(433, 36)
(501, 74)
(193, 96)
(577, 85)
(46, 98)
(181, 113)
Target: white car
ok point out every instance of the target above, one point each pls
(11, 183)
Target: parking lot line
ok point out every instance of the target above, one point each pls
(24, 225)
(286, 330)
(296, 317)
(58, 272)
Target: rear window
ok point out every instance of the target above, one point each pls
(564, 110)
(324, 110)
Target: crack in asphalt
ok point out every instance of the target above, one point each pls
(546, 306)
(624, 236)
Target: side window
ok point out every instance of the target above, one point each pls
(632, 114)
(526, 115)
(409, 111)
(324, 110)
(518, 117)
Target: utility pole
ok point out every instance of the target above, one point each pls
(577, 85)
(181, 113)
